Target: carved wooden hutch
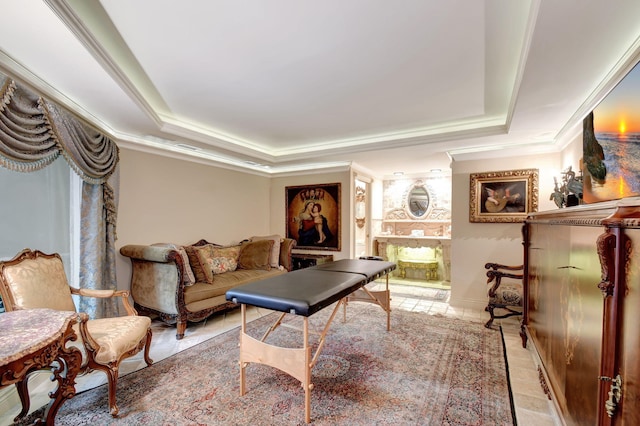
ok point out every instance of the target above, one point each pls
(581, 310)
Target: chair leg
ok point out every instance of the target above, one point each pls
(489, 309)
(147, 346)
(523, 336)
(112, 378)
(181, 328)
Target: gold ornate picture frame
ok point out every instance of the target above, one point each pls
(505, 196)
(313, 216)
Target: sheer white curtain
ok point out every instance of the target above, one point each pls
(35, 211)
(34, 133)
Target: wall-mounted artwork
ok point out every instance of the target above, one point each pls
(611, 143)
(506, 196)
(313, 216)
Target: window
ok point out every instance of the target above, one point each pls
(41, 210)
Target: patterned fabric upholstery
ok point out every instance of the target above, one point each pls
(505, 290)
(117, 336)
(507, 294)
(25, 282)
(35, 280)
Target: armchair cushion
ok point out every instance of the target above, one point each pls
(507, 294)
(118, 335)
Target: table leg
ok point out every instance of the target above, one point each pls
(67, 365)
(243, 365)
(69, 361)
(23, 392)
(307, 374)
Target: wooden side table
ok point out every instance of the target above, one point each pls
(35, 339)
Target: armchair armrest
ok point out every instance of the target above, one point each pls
(497, 271)
(286, 246)
(105, 294)
(497, 266)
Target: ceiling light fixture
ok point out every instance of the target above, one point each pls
(398, 173)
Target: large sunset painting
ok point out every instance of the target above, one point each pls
(611, 143)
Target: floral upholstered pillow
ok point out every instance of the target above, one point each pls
(220, 265)
(231, 252)
(199, 258)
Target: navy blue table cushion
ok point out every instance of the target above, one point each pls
(371, 269)
(302, 292)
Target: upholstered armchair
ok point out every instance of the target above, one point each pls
(505, 290)
(34, 279)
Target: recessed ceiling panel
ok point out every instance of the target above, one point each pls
(287, 73)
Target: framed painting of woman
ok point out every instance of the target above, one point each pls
(313, 216)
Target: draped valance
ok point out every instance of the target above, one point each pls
(34, 132)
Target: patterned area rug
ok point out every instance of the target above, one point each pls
(428, 370)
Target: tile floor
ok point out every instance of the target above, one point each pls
(532, 405)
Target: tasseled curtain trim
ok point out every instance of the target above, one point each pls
(35, 131)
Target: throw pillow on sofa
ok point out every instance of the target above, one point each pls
(274, 258)
(199, 259)
(230, 252)
(220, 265)
(255, 255)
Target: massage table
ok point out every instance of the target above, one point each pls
(305, 292)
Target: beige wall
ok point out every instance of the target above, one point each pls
(164, 199)
(170, 200)
(474, 244)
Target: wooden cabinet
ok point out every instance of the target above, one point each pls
(301, 261)
(582, 271)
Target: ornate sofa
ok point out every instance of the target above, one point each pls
(179, 284)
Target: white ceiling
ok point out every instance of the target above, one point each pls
(285, 85)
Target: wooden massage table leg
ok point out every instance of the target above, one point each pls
(381, 298)
(297, 362)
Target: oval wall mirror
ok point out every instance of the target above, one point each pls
(418, 202)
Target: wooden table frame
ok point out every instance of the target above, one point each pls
(64, 362)
(298, 362)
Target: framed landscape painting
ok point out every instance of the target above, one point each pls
(506, 196)
(313, 216)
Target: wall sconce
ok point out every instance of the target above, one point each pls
(360, 207)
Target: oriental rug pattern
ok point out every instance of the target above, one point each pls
(428, 370)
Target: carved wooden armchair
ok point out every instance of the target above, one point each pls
(505, 295)
(34, 279)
